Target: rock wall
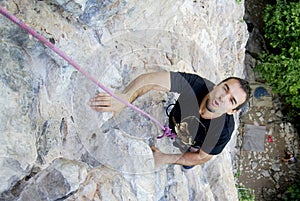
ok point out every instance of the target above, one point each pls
(54, 147)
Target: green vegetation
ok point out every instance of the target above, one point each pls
(245, 194)
(280, 66)
(293, 192)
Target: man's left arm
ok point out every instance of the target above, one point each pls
(188, 158)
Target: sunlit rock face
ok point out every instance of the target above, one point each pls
(53, 146)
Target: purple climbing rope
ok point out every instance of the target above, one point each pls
(166, 130)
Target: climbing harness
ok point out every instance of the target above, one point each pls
(166, 130)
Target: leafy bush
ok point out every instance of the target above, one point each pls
(293, 192)
(282, 24)
(281, 66)
(245, 194)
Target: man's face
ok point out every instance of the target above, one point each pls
(225, 97)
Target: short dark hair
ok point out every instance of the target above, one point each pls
(245, 86)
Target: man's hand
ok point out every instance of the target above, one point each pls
(103, 102)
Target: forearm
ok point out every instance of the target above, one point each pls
(188, 158)
(144, 83)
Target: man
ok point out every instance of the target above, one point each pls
(201, 118)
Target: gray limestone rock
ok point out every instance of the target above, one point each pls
(45, 113)
(57, 181)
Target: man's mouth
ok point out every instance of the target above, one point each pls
(215, 103)
(212, 105)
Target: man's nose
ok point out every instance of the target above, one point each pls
(225, 97)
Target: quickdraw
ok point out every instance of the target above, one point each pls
(167, 133)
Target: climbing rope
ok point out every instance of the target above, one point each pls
(166, 130)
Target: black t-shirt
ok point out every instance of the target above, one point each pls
(211, 135)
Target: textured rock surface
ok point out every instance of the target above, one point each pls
(54, 146)
(61, 178)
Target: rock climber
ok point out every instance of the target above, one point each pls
(202, 117)
(289, 157)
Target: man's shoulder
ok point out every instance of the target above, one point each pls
(230, 118)
(229, 122)
(192, 76)
(228, 129)
(226, 124)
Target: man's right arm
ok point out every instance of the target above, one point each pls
(188, 158)
(144, 83)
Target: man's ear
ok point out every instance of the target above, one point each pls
(233, 111)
